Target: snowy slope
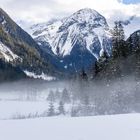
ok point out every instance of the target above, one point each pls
(85, 27)
(118, 127)
(7, 54)
(41, 76)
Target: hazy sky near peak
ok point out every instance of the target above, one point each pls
(35, 11)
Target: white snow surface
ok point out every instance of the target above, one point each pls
(41, 76)
(11, 109)
(115, 127)
(7, 54)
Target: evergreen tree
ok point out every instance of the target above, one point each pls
(61, 108)
(83, 75)
(57, 95)
(51, 96)
(119, 45)
(86, 108)
(51, 111)
(65, 96)
(99, 65)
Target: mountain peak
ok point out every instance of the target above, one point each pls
(86, 13)
(83, 35)
(87, 10)
(86, 16)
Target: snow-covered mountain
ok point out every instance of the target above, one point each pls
(74, 39)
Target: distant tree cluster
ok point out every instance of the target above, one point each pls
(61, 98)
(125, 58)
(120, 48)
(9, 72)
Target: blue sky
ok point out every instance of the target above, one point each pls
(131, 1)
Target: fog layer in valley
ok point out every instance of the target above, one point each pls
(36, 98)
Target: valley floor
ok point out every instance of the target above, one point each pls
(113, 127)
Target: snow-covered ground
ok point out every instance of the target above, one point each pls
(10, 109)
(18, 109)
(117, 127)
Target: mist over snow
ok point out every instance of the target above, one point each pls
(29, 99)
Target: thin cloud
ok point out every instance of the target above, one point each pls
(35, 11)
